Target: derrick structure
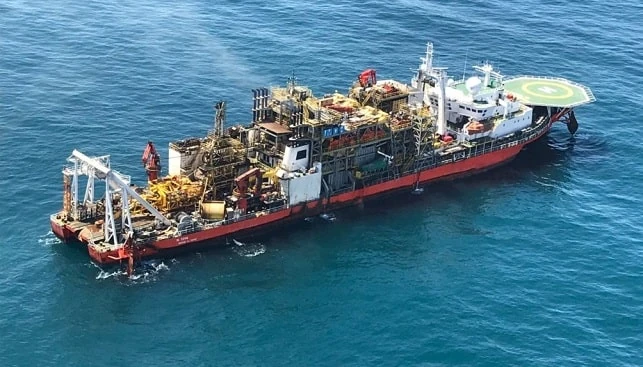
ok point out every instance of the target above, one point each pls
(117, 195)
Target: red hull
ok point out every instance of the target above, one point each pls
(222, 230)
(113, 256)
(211, 237)
(221, 234)
(61, 230)
(462, 168)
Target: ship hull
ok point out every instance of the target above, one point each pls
(62, 230)
(208, 239)
(241, 230)
(463, 168)
(251, 227)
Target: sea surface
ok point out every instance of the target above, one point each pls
(539, 263)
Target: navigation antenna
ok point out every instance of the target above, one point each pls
(464, 70)
(292, 82)
(428, 59)
(219, 118)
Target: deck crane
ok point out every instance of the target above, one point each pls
(243, 181)
(114, 183)
(151, 161)
(368, 78)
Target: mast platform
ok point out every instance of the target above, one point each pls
(549, 92)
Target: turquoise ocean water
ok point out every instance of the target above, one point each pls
(535, 264)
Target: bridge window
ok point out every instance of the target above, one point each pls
(301, 154)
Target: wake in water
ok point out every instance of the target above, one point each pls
(144, 272)
(328, 217)
(248, 249)
(49, 239)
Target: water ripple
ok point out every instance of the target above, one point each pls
(538, 263)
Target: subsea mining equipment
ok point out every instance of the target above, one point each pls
(252, 195)
(389, 96)
(212, 163)
(247, 193)
(76, 209)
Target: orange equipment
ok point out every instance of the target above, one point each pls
(475, 127)
(151, 162)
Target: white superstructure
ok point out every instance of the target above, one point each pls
(300, 181)
(475, 107)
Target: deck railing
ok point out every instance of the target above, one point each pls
(587, 91)
(196, 228)
(476, 150)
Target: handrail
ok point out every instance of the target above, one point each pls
(234, 220)
(477, 150)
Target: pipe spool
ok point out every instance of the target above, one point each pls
(182, 217)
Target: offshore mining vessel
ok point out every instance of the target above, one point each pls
(304, 155)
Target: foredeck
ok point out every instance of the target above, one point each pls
(551, 92)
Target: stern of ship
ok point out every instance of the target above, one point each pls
(60, 229)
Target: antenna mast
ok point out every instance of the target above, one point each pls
(219, 118)
(464, 70)
(292, 82)
(428, 59)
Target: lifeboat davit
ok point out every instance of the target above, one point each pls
(475, 127)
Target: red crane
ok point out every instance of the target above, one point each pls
(151, 162)
(243, 181)
(368, 78)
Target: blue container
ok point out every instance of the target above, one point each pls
(342, 129)
(336, 131)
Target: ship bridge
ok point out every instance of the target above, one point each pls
(548, 92)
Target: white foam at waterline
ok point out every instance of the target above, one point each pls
(248, 249)
(49, 239)
(257, 252)
(102, 274)
(146, 271)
